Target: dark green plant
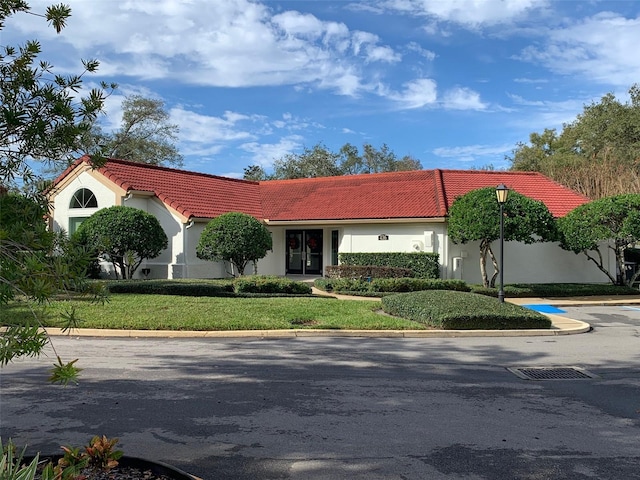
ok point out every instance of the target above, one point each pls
(379, 286)
(475, 216)
(611, 223)
(124, 235)
(422, 264)
(366, 271)
(234, 237)
(450, 310)
(270, 284)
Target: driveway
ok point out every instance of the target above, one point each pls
(348, 408)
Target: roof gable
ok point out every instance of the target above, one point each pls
(192, 194)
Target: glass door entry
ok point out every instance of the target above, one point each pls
(304, 252)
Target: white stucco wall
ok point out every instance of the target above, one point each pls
(536, 263)
(61, 211)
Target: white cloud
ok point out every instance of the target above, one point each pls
(416, 47)
(416, 93)
(231, 43)
(468, 13)
(469, 153)
(202, 129)
(460, 98)
(602, 48)
(264, 154)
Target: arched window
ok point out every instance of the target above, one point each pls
(84, 198)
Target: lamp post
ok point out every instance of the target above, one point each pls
(502, 192)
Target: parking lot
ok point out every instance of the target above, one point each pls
(348, 408)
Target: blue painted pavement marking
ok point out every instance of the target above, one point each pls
(544, 308)
(631, 308)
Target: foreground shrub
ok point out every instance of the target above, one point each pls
(523, 290)
(268, 284)
(387, 285)
(451, 310)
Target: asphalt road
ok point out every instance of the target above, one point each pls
(347, 408)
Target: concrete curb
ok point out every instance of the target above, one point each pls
(560, 326)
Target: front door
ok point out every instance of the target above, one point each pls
(304, 252)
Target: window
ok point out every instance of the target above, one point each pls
(84, 198)
(74, 223)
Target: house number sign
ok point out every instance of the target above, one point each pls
(383, 236)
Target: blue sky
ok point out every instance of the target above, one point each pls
(454, 83)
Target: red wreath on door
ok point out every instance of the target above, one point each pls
(293, 242)
(312, 243)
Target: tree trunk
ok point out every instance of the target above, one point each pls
(484, 248)
(599, 264)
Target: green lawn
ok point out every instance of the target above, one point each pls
(165, 312)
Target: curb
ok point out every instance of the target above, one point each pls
(560, 326)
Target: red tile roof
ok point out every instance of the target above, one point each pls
(192, 194)
(379, 196)
(415, 194)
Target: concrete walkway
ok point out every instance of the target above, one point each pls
(561, 325)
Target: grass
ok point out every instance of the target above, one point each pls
(167, 312)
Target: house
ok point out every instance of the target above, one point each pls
(312, 220)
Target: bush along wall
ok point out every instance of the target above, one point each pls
(422, 264)
(366, 272)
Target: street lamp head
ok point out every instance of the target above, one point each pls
(502, 192)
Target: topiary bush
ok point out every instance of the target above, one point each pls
(450, 310)
(422, 264)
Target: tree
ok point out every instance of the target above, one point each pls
(475, 216)
(311, 163)
(597, 154)
(234, 237)
(42, 120)
(124, 235)
(611, 223)
(145, 135)
(254, 173)
(319, 161)
(374, 161)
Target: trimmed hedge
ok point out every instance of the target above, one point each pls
(422, 264)
(242, 286)
(366, 271)
(173, 287)
(386, 285)
(262, 284)
(550, 290)
(451, 310)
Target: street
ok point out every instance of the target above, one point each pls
(347, 408)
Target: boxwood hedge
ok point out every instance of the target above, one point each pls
(387, 285)
(451, 310)
(241, 286)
